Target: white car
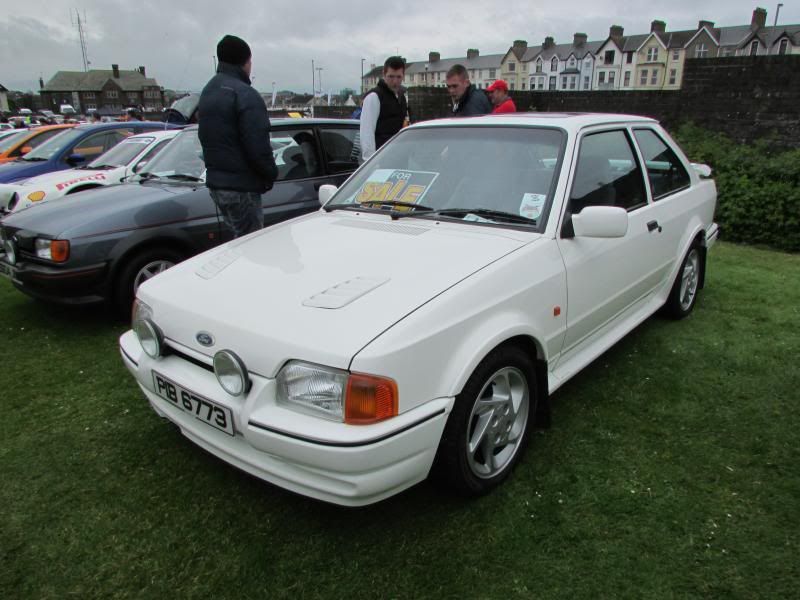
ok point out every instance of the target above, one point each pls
(419, 321)
(110, 168)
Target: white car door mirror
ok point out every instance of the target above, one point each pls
(601, 222)
(326, 192)
(703, 170)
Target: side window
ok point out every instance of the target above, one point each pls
(92, 146)
(342, 148)
(607, 173)
(664, 169)
(150, 154)
(295, 153)
(116, 136)
(43, 137)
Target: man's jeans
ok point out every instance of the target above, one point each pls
(240, 211)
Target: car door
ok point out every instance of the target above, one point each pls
(606, 276)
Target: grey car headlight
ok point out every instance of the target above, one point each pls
(231, 373)
(312, 388)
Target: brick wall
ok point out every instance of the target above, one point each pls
(744, 97)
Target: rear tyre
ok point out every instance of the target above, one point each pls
(489, 427)
(141, 267)
(683, 295)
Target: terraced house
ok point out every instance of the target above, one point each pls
(106, 91)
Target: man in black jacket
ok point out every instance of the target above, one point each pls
(385, 108)
(467, 100)
(234, 133)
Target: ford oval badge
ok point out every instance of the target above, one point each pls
(204, 339)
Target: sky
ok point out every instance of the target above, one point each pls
(176, 40)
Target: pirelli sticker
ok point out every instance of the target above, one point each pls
(387, 185)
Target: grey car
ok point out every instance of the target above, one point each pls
(100, 245)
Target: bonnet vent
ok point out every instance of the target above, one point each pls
(344, 293)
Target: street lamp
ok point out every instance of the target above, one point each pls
(273, 94)
(362, 75)
(319, 77)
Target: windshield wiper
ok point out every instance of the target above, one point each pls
(383, 205)
(184, 177)
(487, 213)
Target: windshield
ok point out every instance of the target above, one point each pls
(488, 170)
(8, 142)
(55, 144)
(182, 156)
(122, 153)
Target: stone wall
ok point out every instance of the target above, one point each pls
(745, 97)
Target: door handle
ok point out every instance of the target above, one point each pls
(654, 225)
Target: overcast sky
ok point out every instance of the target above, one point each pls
(176, 39)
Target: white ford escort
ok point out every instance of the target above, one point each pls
(418, 322)
(110, 168)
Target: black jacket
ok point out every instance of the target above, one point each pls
(473, 102)
(234, 133)
(393, 112)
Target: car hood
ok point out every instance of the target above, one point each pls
(21, 169)
(320, 287)
(69, 177)
(82, 214)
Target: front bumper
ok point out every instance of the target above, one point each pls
(343, 464)
(80, 285)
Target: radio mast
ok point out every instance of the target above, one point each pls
(77, 22)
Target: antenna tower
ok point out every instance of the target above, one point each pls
(80, 23)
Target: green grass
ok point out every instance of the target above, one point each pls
(671, 470)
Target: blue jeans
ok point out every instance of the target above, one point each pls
(240, 211)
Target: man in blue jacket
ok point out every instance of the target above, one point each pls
(234, 133)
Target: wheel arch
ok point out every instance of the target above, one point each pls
(174, 244)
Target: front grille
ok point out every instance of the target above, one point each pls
(195, 361)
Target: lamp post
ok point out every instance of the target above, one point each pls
(273, 94)
(362, 75)
(313, 87)
(319, 73)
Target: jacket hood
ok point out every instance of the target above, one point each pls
(320, 287)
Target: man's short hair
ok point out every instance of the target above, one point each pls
(457, 71)
(394, 62)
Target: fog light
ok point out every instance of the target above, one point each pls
(231, 373)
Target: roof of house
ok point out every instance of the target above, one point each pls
(95, 79)
(563, 51)
(488, 61)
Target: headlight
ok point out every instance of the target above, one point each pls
(11, 251)
(150, 336)
(12, 203)
(353, 398)
(36, 196)
(231, 373)
(55, 250)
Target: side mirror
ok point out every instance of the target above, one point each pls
(76, 159)
(703, 170)
(26, 149)
(140, 165)
(601, 222)
(326, 192)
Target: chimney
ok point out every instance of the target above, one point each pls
(707, 24)
(579, 39)
(519, 47)
(41, 83)
(616, 31)
(658, 27)
(549, 42)
(141, 70)
(434, 57)
(759, 19)
(115, 68)
(472, 53)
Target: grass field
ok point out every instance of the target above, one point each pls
(672, 469)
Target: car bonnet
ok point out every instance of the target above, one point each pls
(320, 287)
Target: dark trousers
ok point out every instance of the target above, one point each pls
(241, 211)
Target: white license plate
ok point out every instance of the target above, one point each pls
(203, 409)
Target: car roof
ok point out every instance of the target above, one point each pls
(156, 133)
(118, 124)
(572, 121)
(301, 122)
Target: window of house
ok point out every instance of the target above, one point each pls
(552, 83)
(611, 77)
(664, 169)
(629, 57)
(563, 83)
(492, 73)
(601, 77)
(524, 66)
(512, 66)
(111, 94)
(88, 95)
(652, 54)
(726, 52)
(607, 174)
(522, 85)
(608, 57)
(783, 46)
(654, 77)
(586, 82)
(132, 98)
(554, 64)
(511, 85)
(701, 51)
(643, 79)
(571, 63)
(572, 81)
(673, 76)
(754, 48)
(676, 55)
(539, 66)
(627, 79)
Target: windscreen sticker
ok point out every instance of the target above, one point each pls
(387, 185)
(531, 205)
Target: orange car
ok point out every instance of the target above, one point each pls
(16, 145)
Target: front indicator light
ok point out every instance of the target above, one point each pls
(369, 399)
(55, 250)
(36, 196)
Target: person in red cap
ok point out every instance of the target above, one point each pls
(498, 94)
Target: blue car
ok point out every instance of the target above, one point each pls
(74, 147)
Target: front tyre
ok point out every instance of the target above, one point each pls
(141, 267)
(683, 295)
(489, 427)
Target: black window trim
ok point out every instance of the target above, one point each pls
(653, 197)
